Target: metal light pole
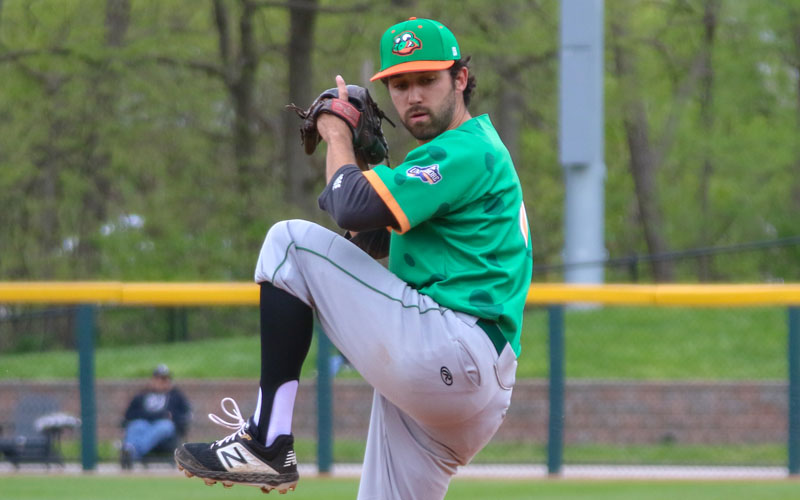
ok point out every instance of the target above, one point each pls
(581, 139)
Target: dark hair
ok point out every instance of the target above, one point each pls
(471, 83)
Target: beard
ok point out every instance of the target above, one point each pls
(437, 121)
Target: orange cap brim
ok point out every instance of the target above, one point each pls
(412, 67)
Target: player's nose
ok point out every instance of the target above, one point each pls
(414, 94)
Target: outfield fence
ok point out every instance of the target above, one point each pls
(558, 300)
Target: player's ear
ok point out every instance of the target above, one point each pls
(461, 78)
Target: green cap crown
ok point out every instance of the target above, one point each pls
(417, 45)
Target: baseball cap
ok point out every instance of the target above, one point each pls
(161, 370)
(417, 45)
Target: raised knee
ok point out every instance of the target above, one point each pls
(278, 229)
(288, 230)
(279, 237)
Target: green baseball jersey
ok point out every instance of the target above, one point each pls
(464, 238)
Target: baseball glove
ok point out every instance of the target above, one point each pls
(361, 113)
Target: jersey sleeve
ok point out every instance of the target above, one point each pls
(353, 203)
(434, 179)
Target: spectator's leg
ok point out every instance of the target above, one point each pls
(133, 432)
(160, 430)
(143, 436)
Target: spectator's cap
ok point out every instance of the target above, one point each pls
(162, 370)
(417, 45)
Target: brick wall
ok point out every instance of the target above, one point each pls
(651, 412)
(596, 411)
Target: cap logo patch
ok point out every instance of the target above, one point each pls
(428, 175)
(406, 43)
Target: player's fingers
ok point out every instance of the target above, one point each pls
(342, 87)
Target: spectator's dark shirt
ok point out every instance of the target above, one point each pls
(152, 405)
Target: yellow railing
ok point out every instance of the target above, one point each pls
(684, 295)
(245, 293)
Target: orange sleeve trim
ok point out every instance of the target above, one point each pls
(377, 184)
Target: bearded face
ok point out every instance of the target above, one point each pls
(425, 123)
(425, 101)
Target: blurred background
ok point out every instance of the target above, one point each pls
(147, 140)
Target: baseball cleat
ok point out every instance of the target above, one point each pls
(240, 459)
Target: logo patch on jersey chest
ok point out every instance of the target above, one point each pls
(428, 175)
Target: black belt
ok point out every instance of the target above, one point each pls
(494, 333)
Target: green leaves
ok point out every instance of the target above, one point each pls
(104, 117)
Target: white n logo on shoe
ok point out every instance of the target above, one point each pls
(225, 456)
(237, 458)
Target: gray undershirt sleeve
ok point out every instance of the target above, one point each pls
(353, 203)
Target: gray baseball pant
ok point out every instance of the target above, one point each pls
(441, 388)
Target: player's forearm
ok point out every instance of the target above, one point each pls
(340, 152)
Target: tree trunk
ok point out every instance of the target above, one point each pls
(795, 27)
(241, 86)
(510, 102)
(710, 14)
(643, 162)
(118, 18)
(299, 173)
(46, 188)
(96, 157)
(508, 116)
(239, 69)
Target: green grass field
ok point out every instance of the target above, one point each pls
(500, 452)
(665, 343)
(54, 487)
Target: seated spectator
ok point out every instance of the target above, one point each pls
(156, 417)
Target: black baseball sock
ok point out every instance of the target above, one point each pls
(286, 328)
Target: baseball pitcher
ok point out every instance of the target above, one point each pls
(437, 334)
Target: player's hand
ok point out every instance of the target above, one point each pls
(332, 127)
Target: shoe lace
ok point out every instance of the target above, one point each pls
(240, 424)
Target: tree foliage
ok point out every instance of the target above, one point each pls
(147, 139)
